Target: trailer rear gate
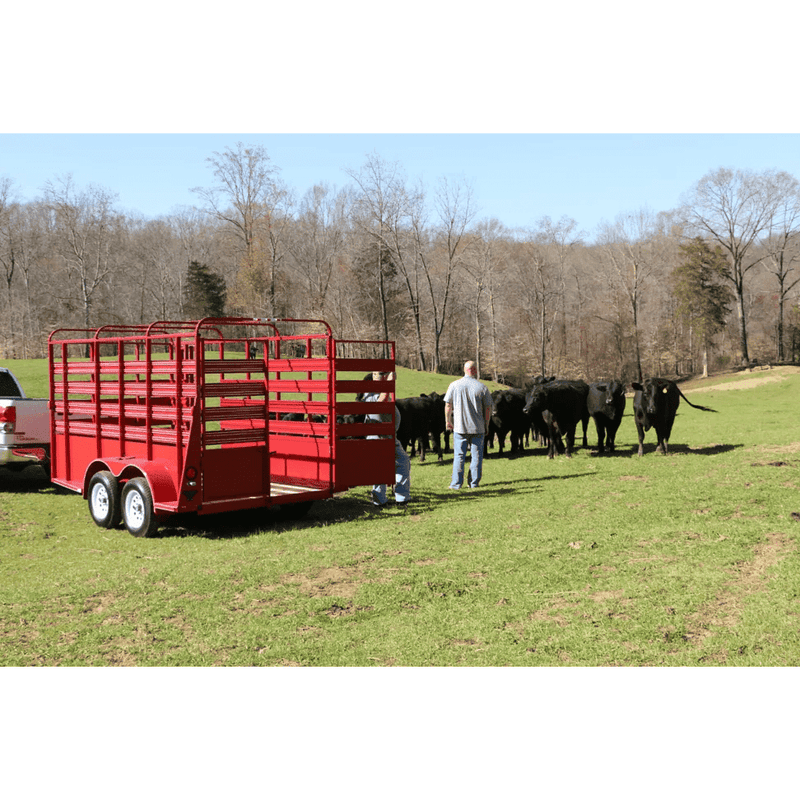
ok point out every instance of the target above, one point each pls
(214, 415)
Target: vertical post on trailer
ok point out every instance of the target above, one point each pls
(52, 381)
(178, 350)
(200, 385)
(266, 468)
(121, 394)
(65, 418)
(94, 350)
(330, 351)
(148, 383)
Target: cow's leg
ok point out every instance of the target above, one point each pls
(556, 441)
(552, 445)
(640, 434)
(660, 447)
(570, 437)
(611, 436)
(601, 435)
(437, 446)
(668, 431)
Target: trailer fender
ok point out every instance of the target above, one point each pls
(157, 474)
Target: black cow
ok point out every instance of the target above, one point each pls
(416, 421)
(654, 406)
(606, 405)
(438, 426)
(508, 419)
(562, 405)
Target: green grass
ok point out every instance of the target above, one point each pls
(678, 560)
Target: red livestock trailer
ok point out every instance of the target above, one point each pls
(214, 415)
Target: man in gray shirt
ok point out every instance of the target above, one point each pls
(467, 408)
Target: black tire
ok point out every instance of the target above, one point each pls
(137, 508)
(104, 500)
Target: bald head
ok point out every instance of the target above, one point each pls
(470, 369)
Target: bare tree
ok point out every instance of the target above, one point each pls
(487, 258)
(9, 248)
(83, 224)
(455, 210)
(319, 241)
(252, 204)
(159, 256)
(381, 205)
(735, 208)
(632, 249)
(539, 287)
(562, 240)
(29, 260)
(781, 241)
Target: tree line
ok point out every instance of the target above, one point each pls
(708, 285)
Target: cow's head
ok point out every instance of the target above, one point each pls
(611, 390)
(609, 394)
(653, 392)
(534, 399)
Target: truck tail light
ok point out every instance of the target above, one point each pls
(8, 419)
(191, 476)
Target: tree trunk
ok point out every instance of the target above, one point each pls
(744, 356)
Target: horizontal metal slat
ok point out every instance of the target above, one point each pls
(299, 365)
(136, 433)
(364, 365)
(234, 412)
(217, 366)
(235, 389)
(291, 385)
(158, 388)
(235, 436)
(298, 407)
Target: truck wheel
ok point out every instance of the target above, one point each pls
(137, 508)
(104, 505)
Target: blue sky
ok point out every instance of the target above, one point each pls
(516, 178)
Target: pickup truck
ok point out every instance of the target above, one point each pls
(24, 426)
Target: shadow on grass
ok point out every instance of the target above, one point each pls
(686, 449)
(488, 488)
(253, 522)
(30, 480)
(278, 520)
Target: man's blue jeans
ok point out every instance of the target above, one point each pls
(461, 443)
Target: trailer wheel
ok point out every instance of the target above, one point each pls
(104, 503)
(137, 508)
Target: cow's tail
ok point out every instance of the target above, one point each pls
(702, 408)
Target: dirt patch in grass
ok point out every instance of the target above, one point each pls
(794, 447)
(331, 582)
(747, 578)
(759, 379)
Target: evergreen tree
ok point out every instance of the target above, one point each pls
(703, 298)
(205, 292)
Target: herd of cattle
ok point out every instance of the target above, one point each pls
(550, 412)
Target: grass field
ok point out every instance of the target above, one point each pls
(688, 559)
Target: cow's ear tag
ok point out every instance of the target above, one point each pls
(664, 390)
